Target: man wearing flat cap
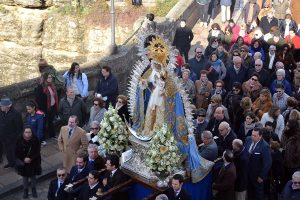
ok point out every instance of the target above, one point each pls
(11, 126)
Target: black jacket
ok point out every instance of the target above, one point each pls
(241, 160)
(183, 195)
(264, 76)
(31, 149)
(11, 124)
(86, 192)
(183, 37)
(54, 194)
(265, 25)
(225, 143)
(108, 88)
(78, 108)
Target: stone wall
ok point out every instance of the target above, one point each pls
(29, 33)
(121, 63)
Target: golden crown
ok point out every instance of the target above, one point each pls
(158, 50)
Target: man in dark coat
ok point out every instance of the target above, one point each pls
(107, 87)
(260, 162)
(198, 63)
(291, 190)
(95, 161)
(176, 192)
(89, 190)
(72, 105)
(11, 126)
(270, 59)
(224, 184)
(114, 177)
(56, 187)
(182, 39)
(267, 22)
(213, 124)
(241, 160)
(264, 75)
(226, 136)
(235, 73)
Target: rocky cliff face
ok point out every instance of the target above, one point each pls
(31, 29)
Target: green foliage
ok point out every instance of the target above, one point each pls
(163, 7)
(81, 11)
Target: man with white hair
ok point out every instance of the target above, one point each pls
(226, 136)
(235, 73)
(280, 65)
(263, 73)
(280, 79)
(292, 188)
(241, 160)
(208, 149)
(257, 55)
(270, 59)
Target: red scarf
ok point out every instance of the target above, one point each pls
(47, 92)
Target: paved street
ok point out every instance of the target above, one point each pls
(42, 190)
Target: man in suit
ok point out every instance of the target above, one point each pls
(176, 192)
(56, 188)
(225, 138)
(89, 190)
(208, 149)
(78, 175)
(260, 162)
(224, 184)
(95, 161)
(213, 124)
(241, 160)
(72, 141)
(114, 176)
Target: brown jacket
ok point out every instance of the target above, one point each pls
(259, 108)
(73, 146)
(295, 8)
(224, 184)
(253, 92)
(202, 96)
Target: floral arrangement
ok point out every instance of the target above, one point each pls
(113, 135)
(163, 154)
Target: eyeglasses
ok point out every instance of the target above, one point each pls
(242, 51)
(235, 90)
(253, 79)
(61, 175)
(278, 91)
(296, 183)
(218, 85)
(199, 52)
(95, 104)
(257, 65)
(94, 128)
(201, 115)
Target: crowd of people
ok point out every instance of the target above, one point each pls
(244, 85)
(245, 90)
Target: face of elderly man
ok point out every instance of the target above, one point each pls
(237, 61)
(258, 65)
(223, 129)
(296, 180)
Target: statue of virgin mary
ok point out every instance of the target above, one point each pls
(156, 97)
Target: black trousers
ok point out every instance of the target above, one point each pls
(9, 145)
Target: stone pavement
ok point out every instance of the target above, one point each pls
(10, 181)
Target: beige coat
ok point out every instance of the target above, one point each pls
(73, 146)
(280, 8)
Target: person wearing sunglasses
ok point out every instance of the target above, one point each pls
(264, 75)
(92, 135)
(292, 188)
(252, 87)
(97, 112)
(56, 187)
(280, 97)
